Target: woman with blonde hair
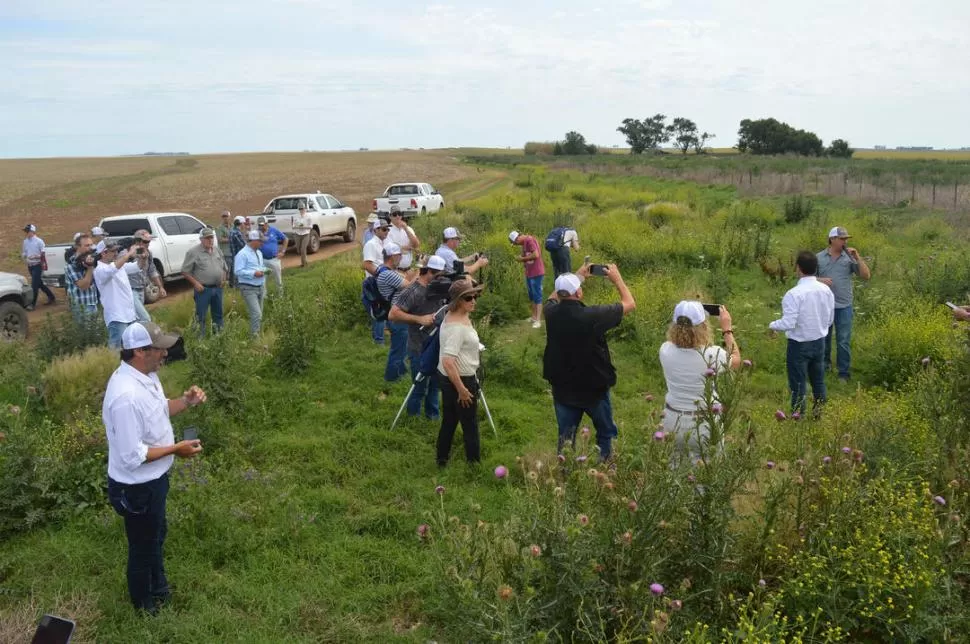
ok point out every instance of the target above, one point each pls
(686, 357)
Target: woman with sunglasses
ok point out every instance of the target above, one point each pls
(457, 363)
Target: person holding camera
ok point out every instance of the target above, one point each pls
(836, 266)
(204, 268)
(82, 293)
(535, 271)
(576, 360)
(251, 279)
(416, 306)
(111, 276)
(458, 361)
(451, 238)
(685, 358)
(390, 282)
(808, 310)
(147, 273)
(141, 450)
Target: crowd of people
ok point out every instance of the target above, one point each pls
(430, 301)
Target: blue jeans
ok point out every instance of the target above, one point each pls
(426, 390)
(399, 349)
(209, 299)
(534, 287)
(138, 299)
(561, 262)
(37, 283)
(843, 336)
(377, 330)
(253, 296)
(83, 312)
(142, 506)
(805, 361)
(601, 413)
(115, 329)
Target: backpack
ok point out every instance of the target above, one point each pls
(556, 238)
(374, 303)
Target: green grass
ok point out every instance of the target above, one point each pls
(298, 521)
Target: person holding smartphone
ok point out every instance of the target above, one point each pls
(685, 358)
(141, 450)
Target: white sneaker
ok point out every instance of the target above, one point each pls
(536, 324)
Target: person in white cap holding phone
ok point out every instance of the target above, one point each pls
(450, 239)
(836, 266)
(576, 361)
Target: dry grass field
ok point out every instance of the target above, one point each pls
(61, 196)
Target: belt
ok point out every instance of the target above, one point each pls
(212, 286)
(696, 412)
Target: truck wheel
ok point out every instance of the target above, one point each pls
(314, 244)
(151, 294)
(351, 232)
(13, 322)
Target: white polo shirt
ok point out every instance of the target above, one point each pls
(400, 237)
(116, 298)
(570, 239)
(807, 311)
(135, 414)
(374, 251)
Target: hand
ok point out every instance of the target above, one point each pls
(162, 292)
(961, 313)
(197, 286)
(483, 260)
(426, 320)
(725, 319)
(187, 449)
(613, 273)
(257, 273)
(826, 280)
(193, 396)
(583, 271)
(853, 253)
(465, 397)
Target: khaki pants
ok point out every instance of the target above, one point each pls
(302, 242)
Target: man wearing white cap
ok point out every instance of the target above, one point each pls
(451, 238)
(416, 308)
(32, 251)
(251, 279)
(372, 263)
(576, 361)
(237, 241)
(403, 235)
(117, 300)
(807, 313)
(141, 449)
(389, 283)
(836, 266)
(98, 234)
(535, 271)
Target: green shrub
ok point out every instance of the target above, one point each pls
(78, 381)
(64, 334)
(222, 365)
(797, 209)
(296, 345)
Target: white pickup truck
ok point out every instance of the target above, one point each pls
(411, 198)
(15, 295)
(328, 216)
(173, 233)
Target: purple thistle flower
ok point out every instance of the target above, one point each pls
(656, 589)
(747, 363)
(585, 431)
(583, 520)
(581, 458)
(709, 373)
(561, 458)
(439, 490)
(691, 478)
(717, 408)
(676, 604)
(939, 500)
(846, 450)
(423, 530)
(501, 472)
(770, 465)
(826, 459)
(796, 415)
(780, 415)
(632, 505)
(762, 583)
(658, 436)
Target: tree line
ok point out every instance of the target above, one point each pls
(646, 136)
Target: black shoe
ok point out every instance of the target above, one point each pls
(51, 301)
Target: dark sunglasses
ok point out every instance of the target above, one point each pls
(470, 298)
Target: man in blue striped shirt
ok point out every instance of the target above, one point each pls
(389, 283)
(250, 274)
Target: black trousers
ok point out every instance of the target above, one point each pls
(452, 413)
(142, 506)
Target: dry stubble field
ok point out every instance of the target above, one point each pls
(62, 196)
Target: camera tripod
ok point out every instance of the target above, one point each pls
(420, 377)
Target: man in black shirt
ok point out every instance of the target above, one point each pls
(577, 359)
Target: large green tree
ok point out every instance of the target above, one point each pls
(646, 134)
(840, 148)
(770, 136)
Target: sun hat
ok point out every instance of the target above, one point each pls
(568, 282)
(463, 287)
(693, 311)
(147, 334)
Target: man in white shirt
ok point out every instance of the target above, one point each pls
(373, 260)
(451, 238)
(117, 300)
(403, 235)
(807, 313)
(141, 449)
(32, 252)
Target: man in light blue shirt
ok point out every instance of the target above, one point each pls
(836, 266)
(250, 274)
(32, 252)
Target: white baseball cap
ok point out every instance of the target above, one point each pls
(840, 232)
(693, 311)
(98, 231)
(435, 263)
(390, 249)
(255, 235)
(147, 334)
(239, 220)
(568, 282)
(513, 236)
(380, 223)
(451, 233)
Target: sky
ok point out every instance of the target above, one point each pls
(109, 77)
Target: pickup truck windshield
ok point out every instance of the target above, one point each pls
(124, 227)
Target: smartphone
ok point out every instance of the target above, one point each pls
(190, 433)
(952, 305)
(53, 630)
(712, 309)
(598, 269)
